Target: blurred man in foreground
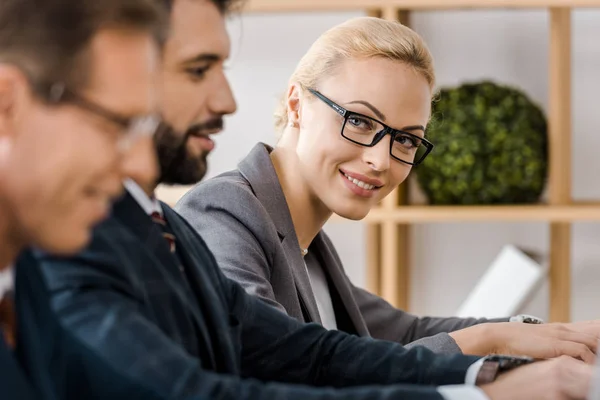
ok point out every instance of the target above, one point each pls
(77, 81)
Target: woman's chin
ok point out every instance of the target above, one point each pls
(353, 214)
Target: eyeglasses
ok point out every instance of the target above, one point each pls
(133, 128)
(366, 131)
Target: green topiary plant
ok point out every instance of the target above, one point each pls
(491, 147)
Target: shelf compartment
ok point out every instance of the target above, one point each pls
(510, 213)
(348, 5)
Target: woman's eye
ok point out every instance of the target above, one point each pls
(360, 122)
(407, 142)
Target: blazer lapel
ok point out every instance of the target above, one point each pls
(258, 170)
(34, 312)
(340, 283)
(197, 263)
(129, 212)
(13, 380)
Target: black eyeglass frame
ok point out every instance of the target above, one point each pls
(133, 127)
(346, 114)
(59, 93)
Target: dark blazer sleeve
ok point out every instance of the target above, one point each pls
(98, 303)
(54, 358)
(308, 353)
(237, 230)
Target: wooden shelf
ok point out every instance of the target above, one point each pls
(516, 213)
(347, 5)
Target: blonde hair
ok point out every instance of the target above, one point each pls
(358, 38)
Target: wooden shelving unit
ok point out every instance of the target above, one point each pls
(526, 213)
(388, 226)
(346, 5)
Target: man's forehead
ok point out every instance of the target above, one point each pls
(123, 72)
(197, 27)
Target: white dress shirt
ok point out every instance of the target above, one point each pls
(148, 205)
(6, 281)
(318, 281)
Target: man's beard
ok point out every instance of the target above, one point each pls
(177, 166)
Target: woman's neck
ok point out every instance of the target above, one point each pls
(308, 213)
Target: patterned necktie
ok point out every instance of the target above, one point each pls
(162, 223)
(7, 319)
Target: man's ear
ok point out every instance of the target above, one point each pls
(13, 89)
(293, 103)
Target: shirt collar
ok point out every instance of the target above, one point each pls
(149, 205)
(6, 281)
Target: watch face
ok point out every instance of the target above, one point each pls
(526, 319)
(532, 320)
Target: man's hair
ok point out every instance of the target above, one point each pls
(48, 39)
(224, 6)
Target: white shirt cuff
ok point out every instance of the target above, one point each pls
(462, 392)
(468, 391)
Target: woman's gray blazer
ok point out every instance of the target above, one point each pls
(244, 218)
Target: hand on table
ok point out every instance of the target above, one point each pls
(538, 341)
(589, 327)
(563, 378)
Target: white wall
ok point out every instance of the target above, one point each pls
(508, 46)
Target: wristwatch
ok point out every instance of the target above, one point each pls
(526, 319)
(494, 365)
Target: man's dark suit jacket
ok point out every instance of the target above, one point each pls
(14, 380)
(192, 332)
(49, 363)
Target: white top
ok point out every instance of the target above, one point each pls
(320, 288)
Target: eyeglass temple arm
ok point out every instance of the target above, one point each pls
(336, 108)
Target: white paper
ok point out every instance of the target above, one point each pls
(504, 288)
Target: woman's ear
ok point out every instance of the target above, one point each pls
(293, 103)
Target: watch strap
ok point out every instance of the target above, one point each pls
(488, 372)
(495, 364)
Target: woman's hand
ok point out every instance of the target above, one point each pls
(589, 327)
(537, 341)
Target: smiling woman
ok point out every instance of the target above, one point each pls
(352, 124)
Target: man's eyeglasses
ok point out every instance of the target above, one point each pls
(133, 128)
(366, 131)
